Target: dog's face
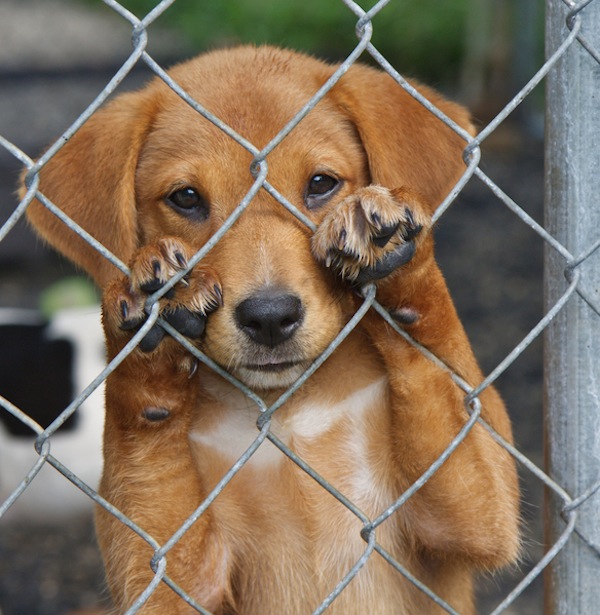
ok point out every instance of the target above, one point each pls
(281, 308)
(149, 166)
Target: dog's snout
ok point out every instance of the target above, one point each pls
(270, 317)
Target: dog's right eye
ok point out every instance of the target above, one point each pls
(189, 202)
(320, 189)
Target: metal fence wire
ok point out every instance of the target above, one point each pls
(571, 315)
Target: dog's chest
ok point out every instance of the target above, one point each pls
(343, 440)
(296, 526)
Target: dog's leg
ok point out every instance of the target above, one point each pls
(468, 510)
(149, 473)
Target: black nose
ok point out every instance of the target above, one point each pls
(270, 317)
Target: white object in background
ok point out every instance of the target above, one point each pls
(50, 495)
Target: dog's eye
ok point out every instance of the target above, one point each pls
(186, 198)
(320, 188)
(188, 201)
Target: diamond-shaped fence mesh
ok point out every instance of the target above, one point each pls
(570, 322)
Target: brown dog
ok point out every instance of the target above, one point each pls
(153, 180)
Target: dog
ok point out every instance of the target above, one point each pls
(153, 180)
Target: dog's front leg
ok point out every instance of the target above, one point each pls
(149, 472)
(469, 508)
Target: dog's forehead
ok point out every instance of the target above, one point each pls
(256, 92)
(241, 70)
(256, 95)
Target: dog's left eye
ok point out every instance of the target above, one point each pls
(320, 188)
(188, 201)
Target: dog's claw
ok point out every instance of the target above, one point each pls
(412, 228)
(124, 310)
(182, 262)
(411, 233)
(219, 295)
(128, 321)
(193, 369)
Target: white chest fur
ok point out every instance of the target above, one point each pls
(232, 428)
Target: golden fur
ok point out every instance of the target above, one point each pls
(371, 420)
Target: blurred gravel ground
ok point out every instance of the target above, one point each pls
(50, 569)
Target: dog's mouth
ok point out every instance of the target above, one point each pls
(271, 372)
(272, 366)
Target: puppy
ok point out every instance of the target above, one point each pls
(153, 180)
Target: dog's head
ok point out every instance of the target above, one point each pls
(147, 165)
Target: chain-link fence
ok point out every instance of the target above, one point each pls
(570, 233)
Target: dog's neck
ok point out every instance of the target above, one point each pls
(337, 379)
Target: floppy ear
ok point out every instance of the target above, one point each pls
(406, 145)
(92, 180)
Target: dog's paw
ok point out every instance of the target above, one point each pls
(185, 306)
(370, 234)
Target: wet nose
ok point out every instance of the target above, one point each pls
(270, 317)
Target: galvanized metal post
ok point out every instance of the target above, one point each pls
(572, 351)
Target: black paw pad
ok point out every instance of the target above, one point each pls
(405, 316)
(152, 339)
(389, 263)
(384, 234)
(189, 324)
(154, 284)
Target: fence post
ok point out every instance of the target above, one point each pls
(572, 344)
